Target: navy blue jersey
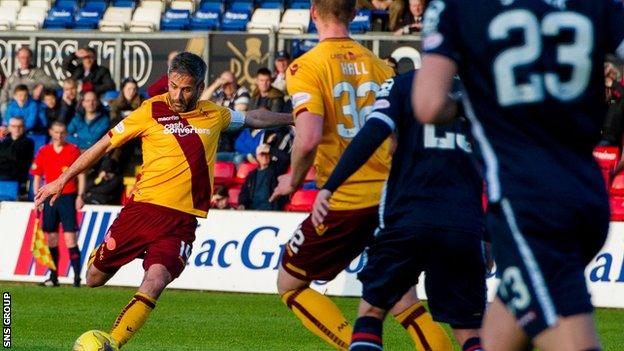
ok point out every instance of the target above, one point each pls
(533, 72)
(433, 179)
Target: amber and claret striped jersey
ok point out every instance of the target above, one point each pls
(179, 151)
(337, 80)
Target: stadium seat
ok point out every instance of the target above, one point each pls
(234, 20)
(212, 5)
(30, 18)
(617, 208)
(16, 4)
(89, 16)
(362, 22)
(183, 5)
(224, 173)
(158, 4)
(44, 4)
(124, 3)
(271, 4)
(207, 17)
(145, 19)
(8, 16)
(38, 140)
(243, 171)
(9, 190)
(617, 185)
(299, 4)
(176, 20)
(607, 158)
(116, 19)
(59, 18)
(302, 201)
(233, 194)
(264, 21)
(295, 21)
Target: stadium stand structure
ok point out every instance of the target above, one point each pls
(176, 19)
(243, 171)
(9, 190)
(224, 173)
(302, 201)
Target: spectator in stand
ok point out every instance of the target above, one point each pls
(260, 183)
(246, 144)
(50, 162)
(221, 199)
(390, 61)
(394, 8)
(89, 125)
(69, 101)
(106, 186)
(265, 96)
(82, 66)
(27, 74)
(16, 153)
(282, 60)
(226, 92)
(26, 107)
(412, 21)
(161, 85)
(50, 106)
(613, 126)
(127, 101)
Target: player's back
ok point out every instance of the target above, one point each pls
(338, 80)
(533, 73)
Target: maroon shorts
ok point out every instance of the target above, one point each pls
(155, 233)
(321, 253)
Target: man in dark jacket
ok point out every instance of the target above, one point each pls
(82, 66)
(260, 183)
(16, 153)
(265, 96)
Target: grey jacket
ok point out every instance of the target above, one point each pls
(33, 78)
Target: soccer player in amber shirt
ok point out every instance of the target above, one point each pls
(179, 139)
(333, 89)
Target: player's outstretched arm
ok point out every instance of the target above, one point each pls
(361, 148)
(308, 133)
(262, 118)
(83, 162)
(432, 84)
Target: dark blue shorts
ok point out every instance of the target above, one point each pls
(63, 212)
(541, 249)
(454, 267)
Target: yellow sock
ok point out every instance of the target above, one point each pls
(132, 317)
(427, 334)
(320, 315)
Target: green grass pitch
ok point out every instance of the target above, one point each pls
(52, 318)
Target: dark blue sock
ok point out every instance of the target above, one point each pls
(472, 344)
(367, 335)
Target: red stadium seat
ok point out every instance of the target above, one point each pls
(607, 158)
(302, 201)
(617, 186)
(243, 171)
(233, 193)
(224, 173)
(617, 208)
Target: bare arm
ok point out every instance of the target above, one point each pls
(83, 162)
(210, 90)
(431, 86)
(82, 179)
(262, 118)
(36, 183)
(309, 131)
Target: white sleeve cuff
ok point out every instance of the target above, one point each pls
(237, 120)
(383, 117)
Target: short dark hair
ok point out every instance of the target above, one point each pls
(189, 64)
(58, 123)
(263, 72)
(19, 118)
(49, 92)
(91, 50)
(342, 10)
(20, 87)
(24, 48)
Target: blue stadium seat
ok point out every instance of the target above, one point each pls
(124, 3)
(299, 4)
(90, 15)
(66, 4)
(176, 20)
(38, 139)
(362, 22)
(300, 47)
(9, 190)
(271, 4)
(235, 20)
(59, 18)
(212, 5)
(241, 6)
(206, 19)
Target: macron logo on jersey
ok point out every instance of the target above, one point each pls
(168, 118)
